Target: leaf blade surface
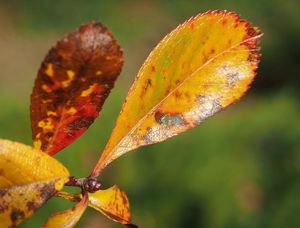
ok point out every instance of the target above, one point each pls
(111, 202)
(201, 67)
(21, 164)
(68, 218)
(20, 201)
(72, 84)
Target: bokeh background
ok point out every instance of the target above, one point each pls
(238, 169)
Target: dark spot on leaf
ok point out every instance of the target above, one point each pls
(167, 91)
(224, 22)
(47, 190)
(205, 58)
(253, 57)
(158, 115)
(153, 68)
(187, 94)
(49, 134)
(81, 123)
(32, 206)
(169, 119)
(146, 86)
(192, 25)
(47, 80)
(3, 192)
(124, 198)
(200, 99)
(149, 82)
(177, 94)
(252, 31)
(16, 215)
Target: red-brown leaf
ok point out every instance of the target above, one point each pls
(72, 84)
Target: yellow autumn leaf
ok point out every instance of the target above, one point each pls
(20, 201)
(20, 164)
(68, 218)
(201, 67)
(112, 202)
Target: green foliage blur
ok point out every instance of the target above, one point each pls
(240, 168)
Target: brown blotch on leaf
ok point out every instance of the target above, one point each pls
(177, 82)
(169, 119)
(253, 57)
(187, 94)
(158, 115)
(16, 215)
(252, 31)
(81, 123)
(148, 84)
(177, 94)
(47, 190)
(3, 192)
(32, 206)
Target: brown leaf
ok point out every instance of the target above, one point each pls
(72, 84)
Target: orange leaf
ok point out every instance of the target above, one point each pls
(111, 202)
(20, 201)
(72, 85)
(21, 164)
(68, 218)
(201, 67)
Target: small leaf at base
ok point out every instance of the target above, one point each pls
(68, 218)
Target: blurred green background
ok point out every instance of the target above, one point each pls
(238, 169)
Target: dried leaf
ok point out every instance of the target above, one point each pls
(20, 164)
(111, 202)
(68, 218)
(20, 201)
(72, 84)
(201, 67)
